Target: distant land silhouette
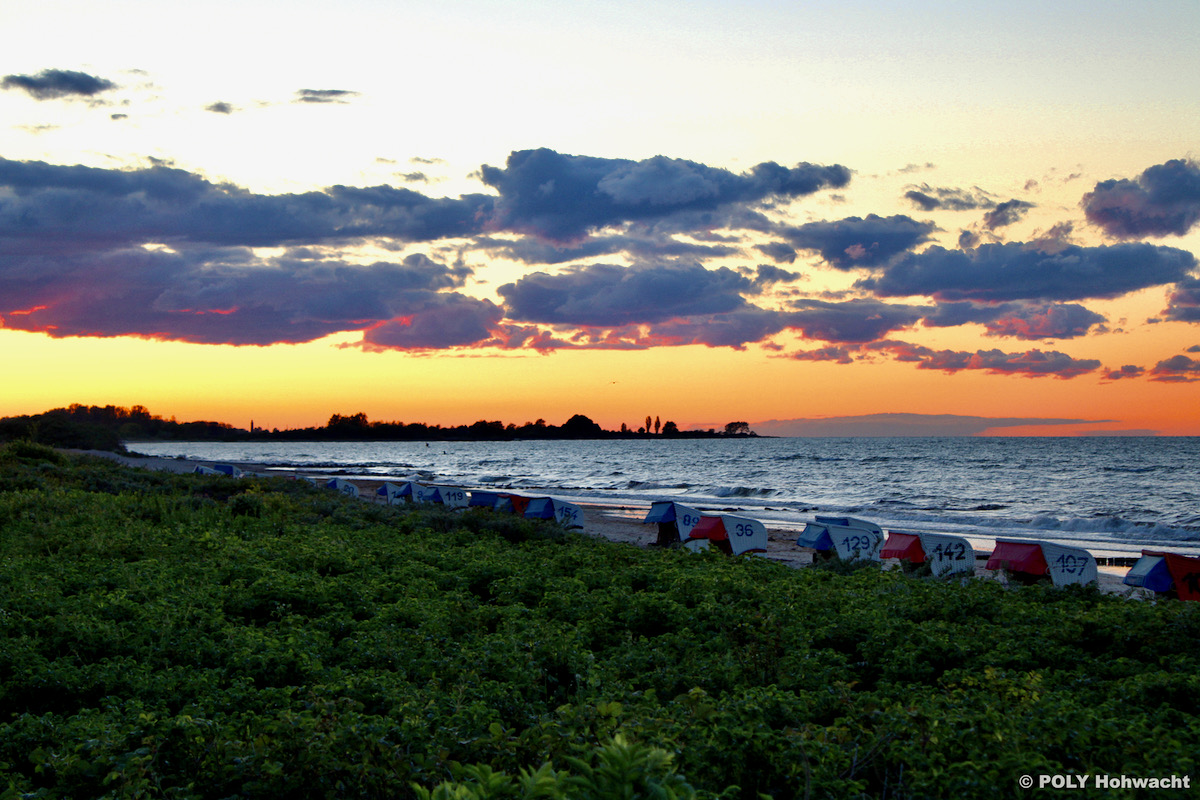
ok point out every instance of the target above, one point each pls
(108, 427)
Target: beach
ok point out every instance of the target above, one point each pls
(613, 522)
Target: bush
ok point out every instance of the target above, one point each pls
(190, 637)
(30, 452)
(617, 769)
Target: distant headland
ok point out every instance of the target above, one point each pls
(108, 427)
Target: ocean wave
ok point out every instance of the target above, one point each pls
(634, 484)
(813, 457)
(657, 486)
(1119, 526)
(888, 502)
(742, 491)
(1112, 529)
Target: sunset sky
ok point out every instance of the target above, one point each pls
(818, 217)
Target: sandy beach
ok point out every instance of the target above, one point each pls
(620, 523)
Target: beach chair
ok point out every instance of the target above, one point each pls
(1030, 561)
(675, 521)
(848, 538)
(1151, 572)
(943, 553)
(568, 515)
(730, 534)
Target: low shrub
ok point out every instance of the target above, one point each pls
(185, 636)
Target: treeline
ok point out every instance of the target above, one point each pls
(106, 427)
(359, 427)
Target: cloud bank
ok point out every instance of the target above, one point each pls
(615, 253)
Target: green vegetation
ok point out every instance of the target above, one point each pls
(182, 636)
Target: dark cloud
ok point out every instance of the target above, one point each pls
(704, 224)
(1176, 369)
(857, 242)
(859, 320)
(1023, 320)
(607, 295)
(1054, 240)
(999, 272)
(539, 251)
(563, 197)
(767, 275)
(650, 305)
(674, 304)
(922, 200)
(1183, 305)
(951, 315)
(1032, 363)
(437, 321)
(163, 253)
(778, 252)
(929, 198)
(839, 354)
(1164, 200)
(1054, 321)
(68, 209)
(53, 84)
(324, 95)
(733, 329)
(216, 295)
(1005, 214)
(639, 244)
(219, 107)
(1127, 371)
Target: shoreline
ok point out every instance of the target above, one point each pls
(789, 482)
(617, 523)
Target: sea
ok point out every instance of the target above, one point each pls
(1111, 495)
